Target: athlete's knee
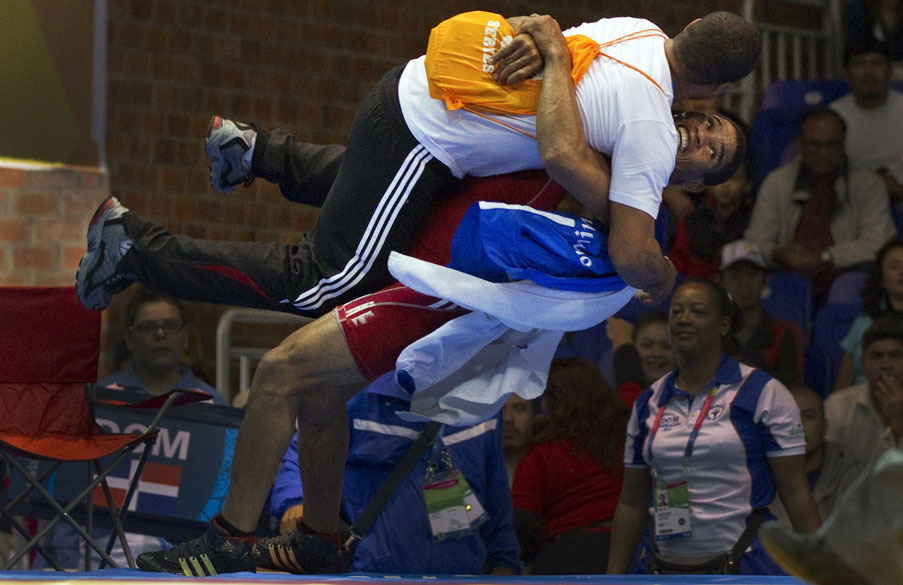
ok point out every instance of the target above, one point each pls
(279, 374)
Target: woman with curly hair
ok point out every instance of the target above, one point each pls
(882, 293)
(567, 485)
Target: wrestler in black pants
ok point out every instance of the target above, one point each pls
(374, 199)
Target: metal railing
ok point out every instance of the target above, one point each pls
(247, 356)
(792, 52)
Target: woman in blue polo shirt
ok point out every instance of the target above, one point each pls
(708, 446)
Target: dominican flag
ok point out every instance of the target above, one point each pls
(157, 491)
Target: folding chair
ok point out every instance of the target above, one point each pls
(50, 347)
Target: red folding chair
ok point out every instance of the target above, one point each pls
(49, 345)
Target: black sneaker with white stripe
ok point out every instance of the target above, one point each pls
(211, 554)
(302, 553)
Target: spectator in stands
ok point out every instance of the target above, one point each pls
(517, 430)
(722, 217)
(812, 415)
(567, 485)
(882, 294)
(866, 419)
(156, 334)
(401, 540)
(762, 341)
(713, 440)
(642, 352)
(875, 20)
(818, 215)
(874, 114)
(157, 337)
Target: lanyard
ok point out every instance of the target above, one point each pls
(693, 434)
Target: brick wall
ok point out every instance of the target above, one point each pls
(42, 219)
(302, 65)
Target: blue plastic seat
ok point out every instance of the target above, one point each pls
(776, 124)
(789, 297)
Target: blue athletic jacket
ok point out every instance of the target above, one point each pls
(400, 540)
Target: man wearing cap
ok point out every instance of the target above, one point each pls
(768, 343)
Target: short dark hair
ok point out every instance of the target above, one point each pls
(888, 326)
(721, 47)
(821, 112)
(648, 318)
(739, 159)
(726, 305)
(145, 296)
(864, 46)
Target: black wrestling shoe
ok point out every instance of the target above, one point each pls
(302, 553)
(213, 553)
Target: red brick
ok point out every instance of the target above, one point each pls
(6, 198)
(12, 177)
(52, 278)
(82, 202)
(70, 256)
(14, 230)
(54, 178)
(94, 179)
(36, 203)
(13, 279)
(60, 230)
(36, 257)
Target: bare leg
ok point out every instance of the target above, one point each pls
(310, 376)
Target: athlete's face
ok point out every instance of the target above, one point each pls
(706, 142)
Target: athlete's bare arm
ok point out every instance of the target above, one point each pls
(586, 174)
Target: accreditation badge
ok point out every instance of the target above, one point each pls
(444, 493)
(672, 511)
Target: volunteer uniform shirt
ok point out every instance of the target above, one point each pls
(624, 115)
(752, 417)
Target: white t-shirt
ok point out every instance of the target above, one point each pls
(874, 137)
(624, 115)
(752, 418)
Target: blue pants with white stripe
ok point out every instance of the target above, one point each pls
(379, 193)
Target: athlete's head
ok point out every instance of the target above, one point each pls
(710, 149)
(718, 48)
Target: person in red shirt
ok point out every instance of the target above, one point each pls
(567, 486)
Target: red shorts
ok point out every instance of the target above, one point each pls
(378, 326)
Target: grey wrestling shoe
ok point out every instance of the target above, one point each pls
(212, 553)
(227, 143)
(807, 556)
(300, 553)
(97, 278)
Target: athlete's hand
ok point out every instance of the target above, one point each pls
(519, 59)
(656, 294)
(290, 519)
(547, 34)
